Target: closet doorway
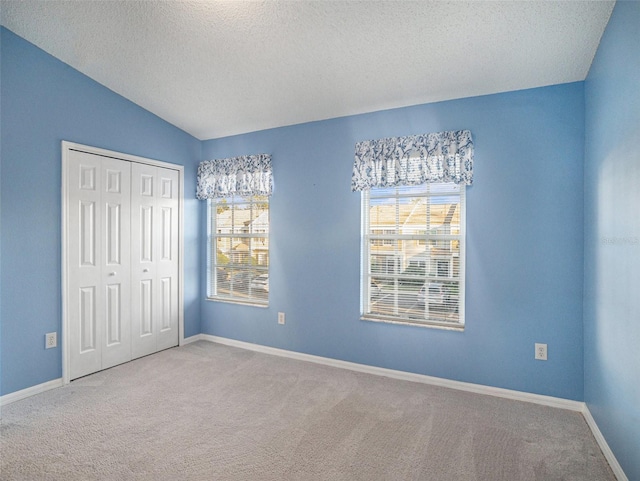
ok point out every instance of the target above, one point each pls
(122, 253)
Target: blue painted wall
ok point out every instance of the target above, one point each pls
(44, 101)
(612, 237)
(524, 238)
(527, 227)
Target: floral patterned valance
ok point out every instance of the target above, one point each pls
(414, 160)
(246, 175)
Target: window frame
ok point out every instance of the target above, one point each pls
(425, 238)
(214, 233)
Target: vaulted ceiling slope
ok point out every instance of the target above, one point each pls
(219, 68)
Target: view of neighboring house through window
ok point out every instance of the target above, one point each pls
(239, 249)
(413, 254)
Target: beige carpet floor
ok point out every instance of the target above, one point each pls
(211, 412)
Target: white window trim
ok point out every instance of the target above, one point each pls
(211, 279)
(365, 283)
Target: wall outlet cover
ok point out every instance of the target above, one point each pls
(541, 351)
(50, 340)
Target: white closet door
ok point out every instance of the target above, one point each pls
(167, 257)
(116, 268)
(98, 260)
(154, 258)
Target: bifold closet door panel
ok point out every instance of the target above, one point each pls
(98, 263)
(84, 265)
(167, 270)
(154, 259)
(143, 266)
(116, 269)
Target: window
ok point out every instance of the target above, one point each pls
(239, 249)
(413, 254)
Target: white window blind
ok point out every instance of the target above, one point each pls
(239, 249)
(413, 254)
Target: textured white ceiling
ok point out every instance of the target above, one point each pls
(218, 68)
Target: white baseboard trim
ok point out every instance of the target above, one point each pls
(30, 391)
(391, 373)
(604, 446)
(406, 376)
(189, 340)
(550, 401)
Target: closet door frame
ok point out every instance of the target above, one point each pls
(67, 147)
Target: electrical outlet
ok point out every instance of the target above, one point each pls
(50, 340)
(541, 352)
(280, 317)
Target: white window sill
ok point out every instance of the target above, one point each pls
(432, 325)
(240, 303)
